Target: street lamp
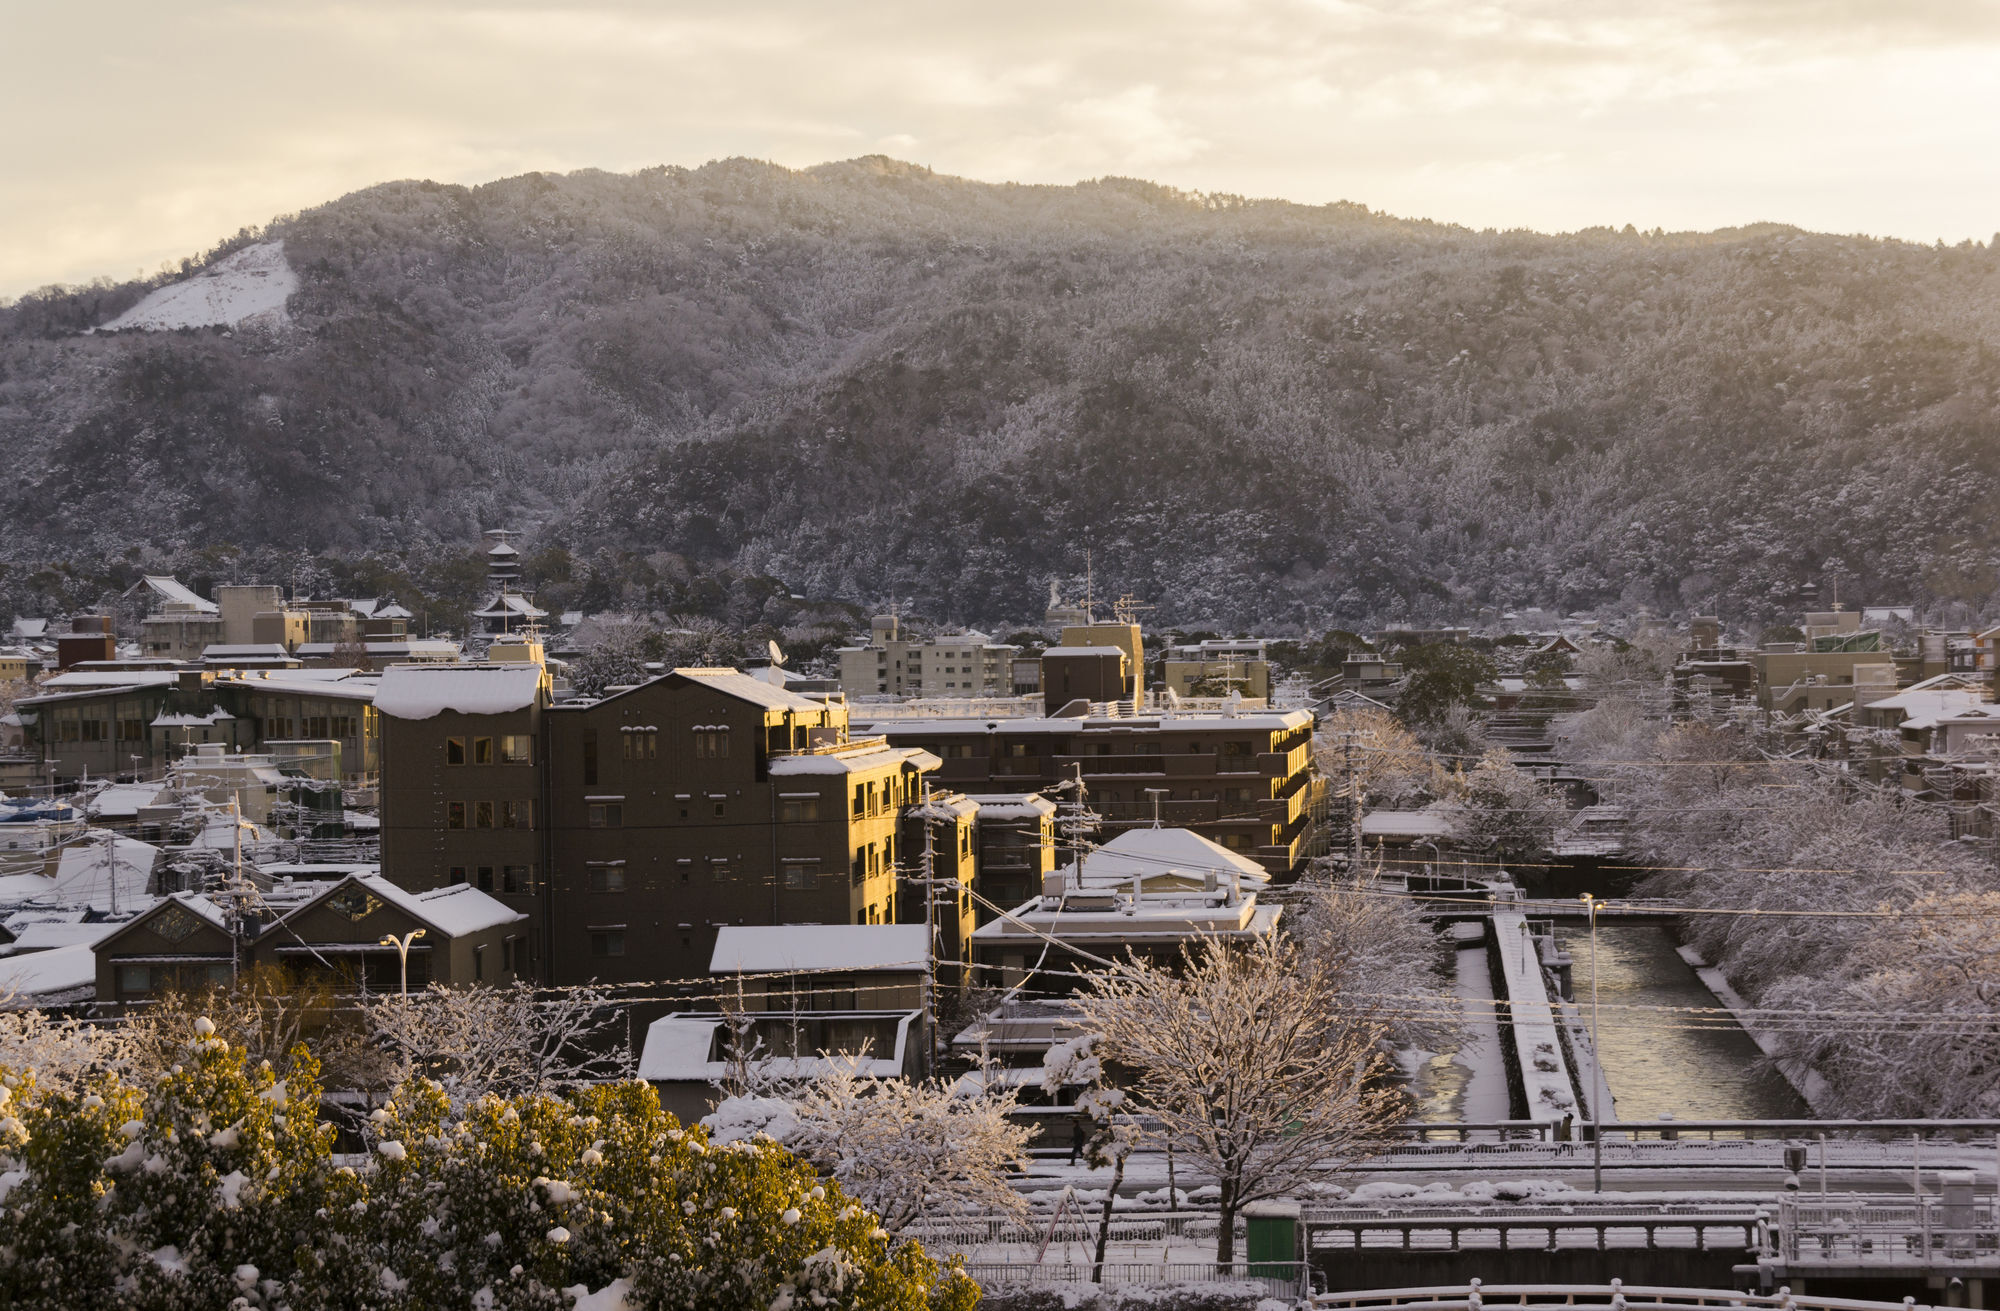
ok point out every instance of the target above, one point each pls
(1599, 1085)
(402, 946)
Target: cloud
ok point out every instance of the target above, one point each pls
(182, 123)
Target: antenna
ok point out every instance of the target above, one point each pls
(1127, 609)
(1089, 589)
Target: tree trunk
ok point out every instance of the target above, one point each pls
(1225, 1235)
(1104, 1221)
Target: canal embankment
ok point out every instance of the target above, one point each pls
(1805, 1081)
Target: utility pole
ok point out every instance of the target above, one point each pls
(930, 933)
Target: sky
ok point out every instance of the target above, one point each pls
(139, 133)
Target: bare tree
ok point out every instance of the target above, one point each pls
(1384, 956)
(503, 1040)
(1250, 1063)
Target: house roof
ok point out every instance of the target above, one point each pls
(38, 975)
(783, 948)
(508, 604)
(1013, 805)
(860, 760)
(425, 691)
(171, 590)
(453, 910)
(85, 873)
(1152, 852)
(736, 683)
(677, 1049)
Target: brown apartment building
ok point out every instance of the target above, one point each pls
(1245, 781)
(630, 829)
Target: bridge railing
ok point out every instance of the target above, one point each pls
(1929, 1232)
(1633, 1297)
(1529, 1131)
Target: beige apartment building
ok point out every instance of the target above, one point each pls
(968, 664)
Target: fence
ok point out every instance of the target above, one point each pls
(1859, 1232)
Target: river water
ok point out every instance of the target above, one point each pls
(1655, 1061)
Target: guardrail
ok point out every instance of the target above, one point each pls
(1617, 1293)
(1419, 1131)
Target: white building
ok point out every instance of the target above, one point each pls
(967, 664)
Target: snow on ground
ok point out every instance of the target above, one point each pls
(250, 286)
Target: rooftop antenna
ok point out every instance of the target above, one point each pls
(1127, 609)
(1089, 590)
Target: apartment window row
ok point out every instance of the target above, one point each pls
(874, 798)
(515, 880)
(489, 814)
(872, 860)
(711, 742)
(641, 743)
(508, 749)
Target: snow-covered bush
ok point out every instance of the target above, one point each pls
(216, 1187)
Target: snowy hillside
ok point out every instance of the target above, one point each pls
(252, 284)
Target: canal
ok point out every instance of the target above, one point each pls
(1662, 1062)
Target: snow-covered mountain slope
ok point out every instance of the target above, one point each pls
(252, 284)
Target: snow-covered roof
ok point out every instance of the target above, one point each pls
(124, 800)
(678, 1049)
(1084, 651)
(1922, 706)
(1428, 823)
(862, 758)
(736, 683)
(213, 717)
(425, 691)
(1013, 805)
(391, 611)
(31, 628)
(1153, 852)
(1273, 721)
(85, 873)
(41, 975)
(782, 948)
(46, 936)
(77, 680)
(173, 592)
(245, 651)
(251, 285)
(453, 910)
(510, 605)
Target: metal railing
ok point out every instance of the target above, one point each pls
(1930, 1232)
(1617, 1293)
(1285, 1279)
(1545, 1229)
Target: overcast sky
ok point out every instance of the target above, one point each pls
(142, 132)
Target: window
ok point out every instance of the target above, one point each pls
(712, 743)
(958, 751)
(507, 955)
(517, 814)
(607, 942)
(589, 757)
(607, 878)
(517, 879)
(478, 964)
(801, 875)
(799, 810)
(454, 814)
(486, 878)
(860, 801)
(482, 814)
(517, 749)
(641, 743)
(132, 730)
(720, 808)
(457, 874)
(93, 730)
(482, 751)
(606, 815)
(722, 869)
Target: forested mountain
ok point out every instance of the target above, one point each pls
(872, 382)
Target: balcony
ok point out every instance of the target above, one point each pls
(1114, 766)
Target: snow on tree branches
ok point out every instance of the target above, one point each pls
(1249, 1064)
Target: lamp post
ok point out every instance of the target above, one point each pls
(402, 946)
(1598, 1085)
